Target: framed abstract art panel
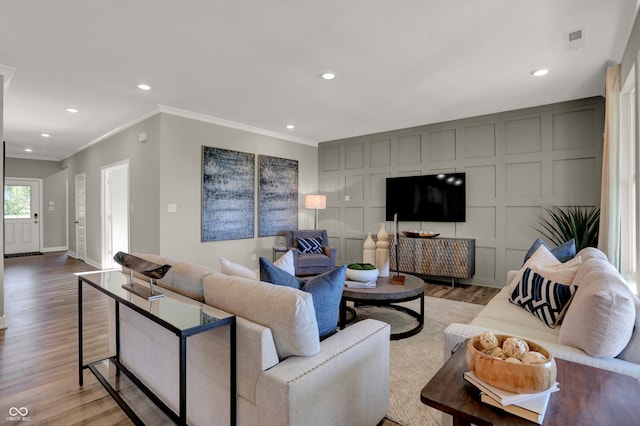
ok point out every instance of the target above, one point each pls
(228, 193)
(278, 195)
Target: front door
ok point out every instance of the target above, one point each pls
(21, 216)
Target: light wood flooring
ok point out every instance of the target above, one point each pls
(38, 351)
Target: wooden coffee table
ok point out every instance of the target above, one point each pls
(587, 396)
(385, 295)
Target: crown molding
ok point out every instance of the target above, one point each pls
(193, 116)
(8, 74)
(233, 124)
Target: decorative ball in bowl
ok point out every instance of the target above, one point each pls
(363, 272)
(511, 363)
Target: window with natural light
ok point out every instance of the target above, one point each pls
(17, 201)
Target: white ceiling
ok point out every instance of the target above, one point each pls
(258, 63)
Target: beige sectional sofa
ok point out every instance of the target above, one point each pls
(601, 325)
(285, 374)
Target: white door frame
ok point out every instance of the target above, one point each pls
(36, 209)
(107, 193)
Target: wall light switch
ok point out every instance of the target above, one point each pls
(173, 208)
(346, 198)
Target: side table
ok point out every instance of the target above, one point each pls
(180, 316)
(587, 396)
(278, 251)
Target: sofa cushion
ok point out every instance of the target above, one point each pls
(591, 252)
(183, 278)
(310, 245)
(288, 312)
(631, 352)
(545, 299)
(326, 289)
(228, 267)
(270, 273)
(563, 252)
(602, 313)
(546, 264)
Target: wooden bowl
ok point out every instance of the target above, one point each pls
(517, 378)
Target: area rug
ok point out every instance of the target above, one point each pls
(416, 359)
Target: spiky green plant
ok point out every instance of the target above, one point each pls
(577, 222)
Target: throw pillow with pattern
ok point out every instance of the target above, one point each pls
(546, 299)
(310, 245)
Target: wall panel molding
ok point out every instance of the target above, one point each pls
(517, 163)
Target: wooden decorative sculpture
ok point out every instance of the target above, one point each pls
(144, 267)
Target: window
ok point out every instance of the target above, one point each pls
(17, 201)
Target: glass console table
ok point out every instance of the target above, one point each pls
(182, 316)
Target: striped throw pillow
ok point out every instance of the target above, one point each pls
(310, 245)
(545, 299)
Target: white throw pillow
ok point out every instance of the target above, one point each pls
(228, 267)
(285, 262)
(546, 264)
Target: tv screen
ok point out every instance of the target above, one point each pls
(427, 198)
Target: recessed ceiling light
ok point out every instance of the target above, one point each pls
(290, 126)
(540, 72)
(45, 135)
(28, 150)
(71, 110)
(144, 87)
(328, 76)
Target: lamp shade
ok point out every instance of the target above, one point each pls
(315, 201)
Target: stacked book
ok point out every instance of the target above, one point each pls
(531, 406)
(360, 284)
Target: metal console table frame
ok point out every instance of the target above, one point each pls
(111, 283)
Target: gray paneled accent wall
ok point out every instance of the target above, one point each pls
(517, 163)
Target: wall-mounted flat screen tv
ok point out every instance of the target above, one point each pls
(427, 198)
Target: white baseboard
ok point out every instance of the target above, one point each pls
(94, 263)
(50, 249)
(3, 322)
(88, 261)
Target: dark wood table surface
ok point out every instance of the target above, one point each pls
(587, 396)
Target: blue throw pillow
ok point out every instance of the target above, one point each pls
(326, 290)
(310, 245)
(563, 253)
(270, 273)
(544, 298)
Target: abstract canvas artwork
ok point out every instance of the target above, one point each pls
(278, 195)
(228, 192)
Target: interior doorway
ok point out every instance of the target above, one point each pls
(22, 221)
(115, 211)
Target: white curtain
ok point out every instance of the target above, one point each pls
(609, 233)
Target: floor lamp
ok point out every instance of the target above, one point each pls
(316, 202)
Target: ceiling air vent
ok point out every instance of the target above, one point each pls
(574, 39)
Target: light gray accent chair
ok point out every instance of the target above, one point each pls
(311, 263)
